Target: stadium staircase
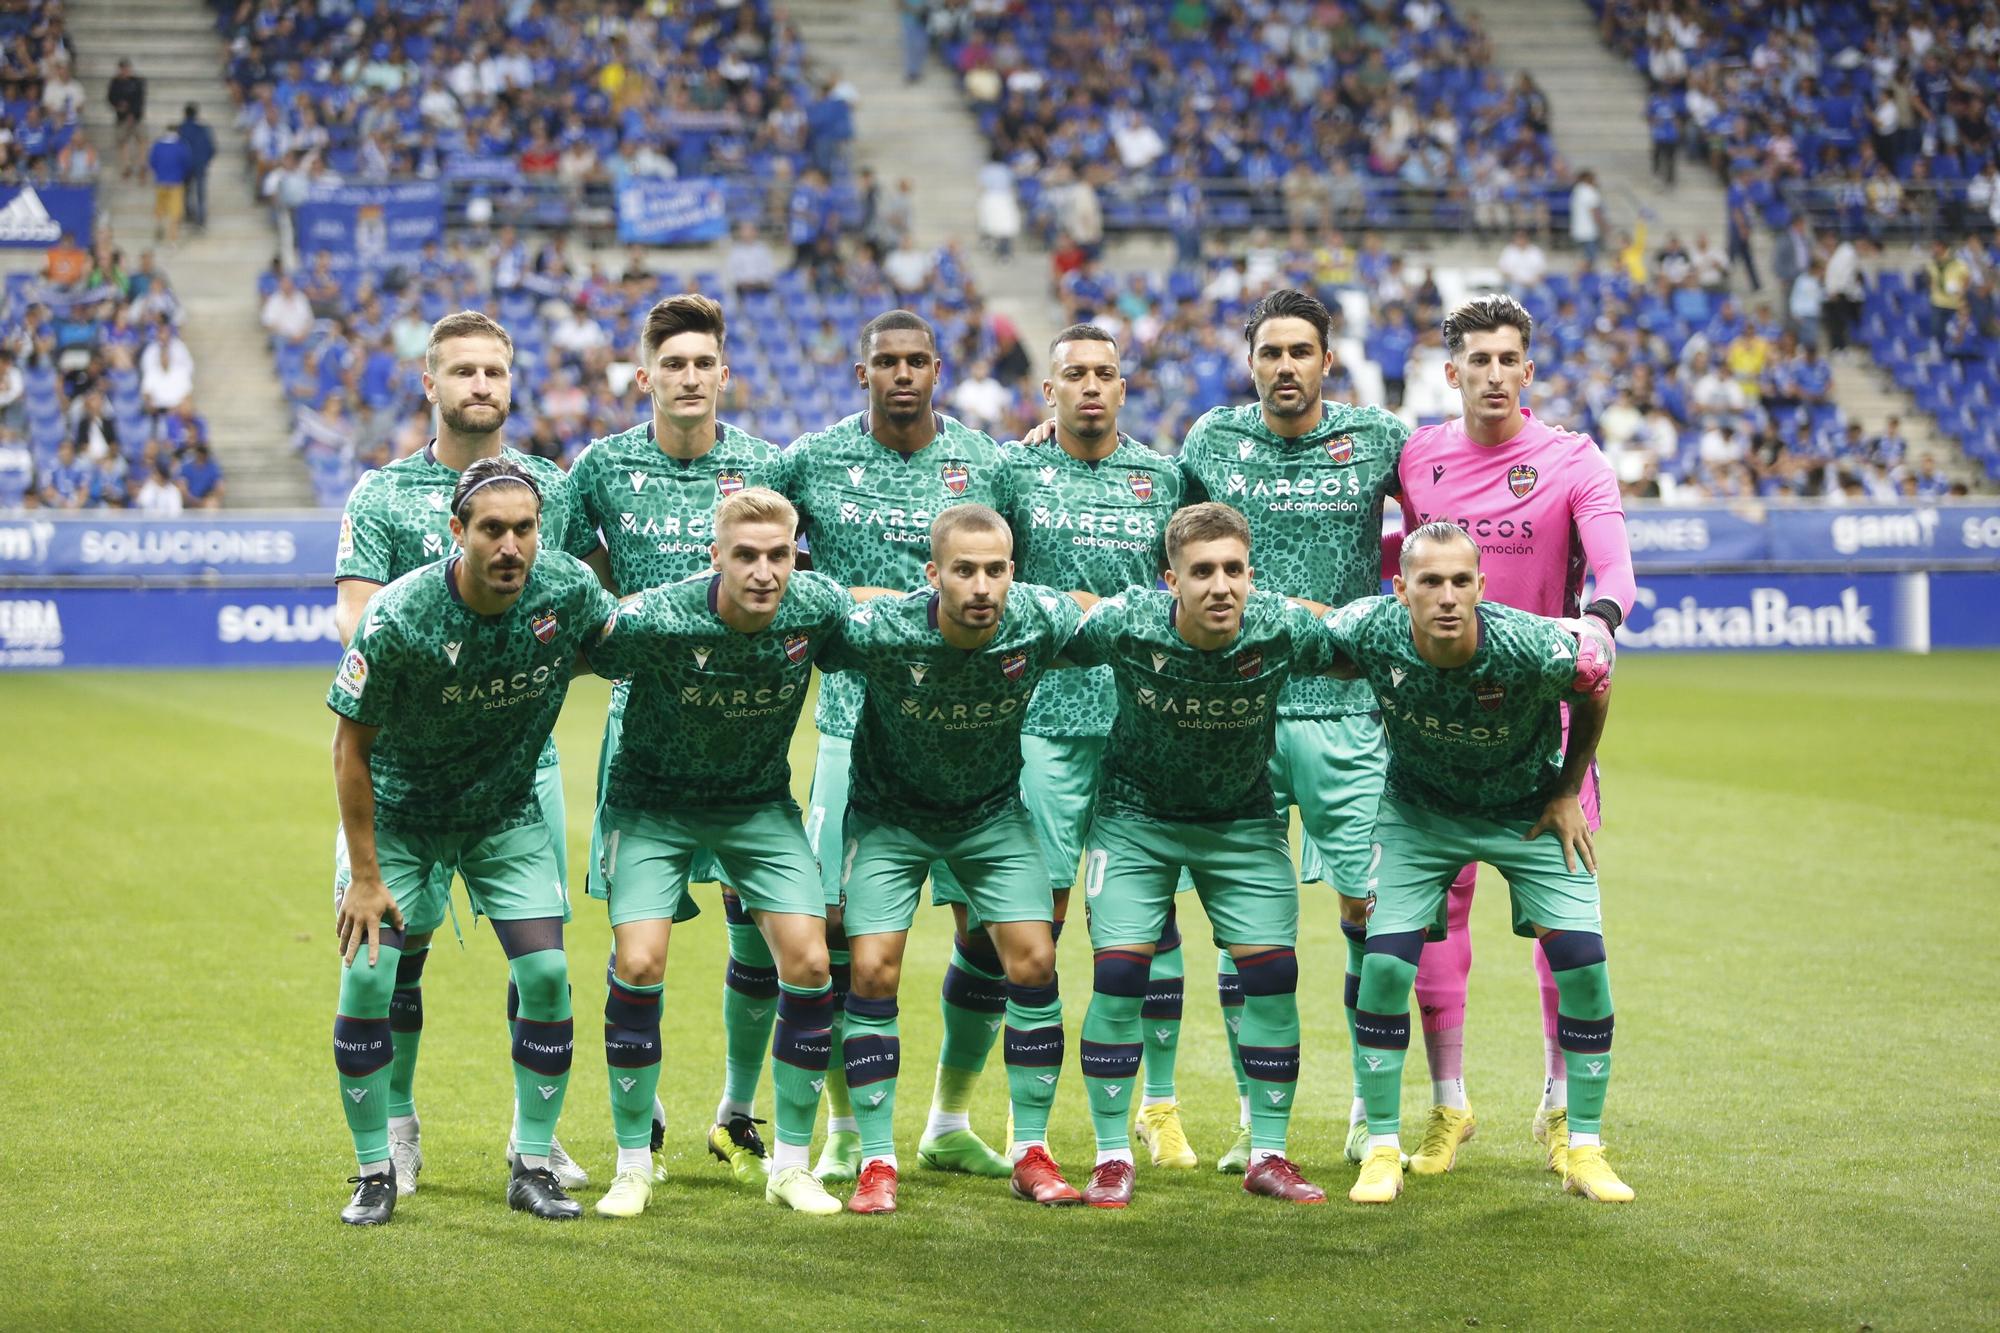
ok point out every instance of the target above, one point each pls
(924, 131)
(173, 45)
(1597, 106)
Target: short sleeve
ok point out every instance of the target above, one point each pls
(1063, 614)
(579, 532)
(364, 546)
(1313, 648)
(1556, 647)
(1342, 626)
(364, 684)
(784, 475)
(601, 607)
(843, 650)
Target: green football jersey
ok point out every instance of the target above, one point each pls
(399, 516)
(657, 513)
(1100, 527)
(938, 744)
(1196, 728)
(711, 711)
(1484, 738)
(866, 511)
(465, 702)
(1315, 509)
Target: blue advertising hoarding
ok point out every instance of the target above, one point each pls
(370, 227)
(160, 627)
(671, 212)
(1705, 612)
(34, 217)
(35, 545)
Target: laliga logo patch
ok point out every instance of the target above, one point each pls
(544, 626)
(955, 477)
(1341, 448)
(1520, 479)
(1489, 695)
(795, 647)
(728, 483)
(1014, 665)
(1248, 664)
(1141, 484)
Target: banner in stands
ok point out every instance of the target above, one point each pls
(179, 627)
(372, 227)
(34, 217)
(664, 212)
(273, 546)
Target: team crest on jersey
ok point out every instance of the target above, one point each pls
(1520, 479)
(1014, 665)
(544, 626)
(728, 483)
(1490, 695)
(1341, 448)
(1141, 484)
(796, 646)
(1249, 663)
(638, 482)
(955, 477)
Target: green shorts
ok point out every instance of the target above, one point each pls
(513, 874)
(555, 810)
(998, 863)
(1332, 768)
(1242, 868)
(1059, 780)
(702, 871)
(761, 848)
(1418, 852)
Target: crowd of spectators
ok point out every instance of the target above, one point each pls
(1880, 118)
(540, 109)
(1186, 115)
(41, 134)
(1936, 331)
(97, 406)
(350, 350)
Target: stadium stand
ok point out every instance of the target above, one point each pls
(1185, 116)
(1871, 119)
(1937, 333)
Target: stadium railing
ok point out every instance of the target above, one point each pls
(256, 589)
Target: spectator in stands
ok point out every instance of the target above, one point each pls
(166, 370)
(17, 470)
(200, 478)
(182, 428)
(66, 263)
(78, 163)
(323, 289)
(998, 208)
(159, 494)
(750, 267)
(63, 95)
(1808, 302)
(109, 476)
(1586, 216)
(199, 141)
(287, 314)
(981, 400)
(66, 482)
(1523, 264)
(169, 163)
(13, 392)
(1946, 278)
(92, 428)
(1843, 292)
(127, 95)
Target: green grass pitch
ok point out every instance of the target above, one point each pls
(1800, 864)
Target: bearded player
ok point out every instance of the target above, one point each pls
(1542, 504)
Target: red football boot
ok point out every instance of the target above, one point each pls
(1276, 1178)
(1039, 1180)
(877, 1191)
(1110, 1186)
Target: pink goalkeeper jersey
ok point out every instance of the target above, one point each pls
(1544, 507)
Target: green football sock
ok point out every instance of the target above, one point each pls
(838, 1105)
(972, 1001)
(1034, 1057)
(873, 1051)
(1161, 1019)
(632, 1052)
(1583, 1026)
(1382, 1034)
(544, 1042)
(799, 1046)
(1110, 1058)
(1269, 1043)
(363, 1048)
(406, 1020)
(1357, 950)
(1229, 990)
(749, 1007)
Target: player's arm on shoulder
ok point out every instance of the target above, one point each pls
(1091, 642)
(1342, 627)
(351, 598)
